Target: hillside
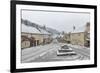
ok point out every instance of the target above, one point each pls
(42, 29)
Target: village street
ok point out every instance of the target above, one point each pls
(46, 53)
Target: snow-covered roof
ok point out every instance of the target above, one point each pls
(29, 29)
(44, 31)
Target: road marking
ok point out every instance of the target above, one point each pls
(42, 54)
(81, 51)
(36, 56)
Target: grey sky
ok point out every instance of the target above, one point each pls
(61, 21)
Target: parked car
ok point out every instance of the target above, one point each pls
(65, 50)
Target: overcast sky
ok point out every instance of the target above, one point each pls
(61, 21)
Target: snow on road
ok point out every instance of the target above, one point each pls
(83, 51)
(48, 53)
(34, 52)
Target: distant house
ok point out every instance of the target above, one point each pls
(81, 36)
(78, 38)
(35, 35)
(25, 42)
(66, 37)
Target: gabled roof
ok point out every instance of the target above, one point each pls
(44, 31)
(29, 29)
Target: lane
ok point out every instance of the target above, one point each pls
(48, 53)
(33, 49)
(52, 56)
(85, 53)
(82, 51)
(33, 55)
